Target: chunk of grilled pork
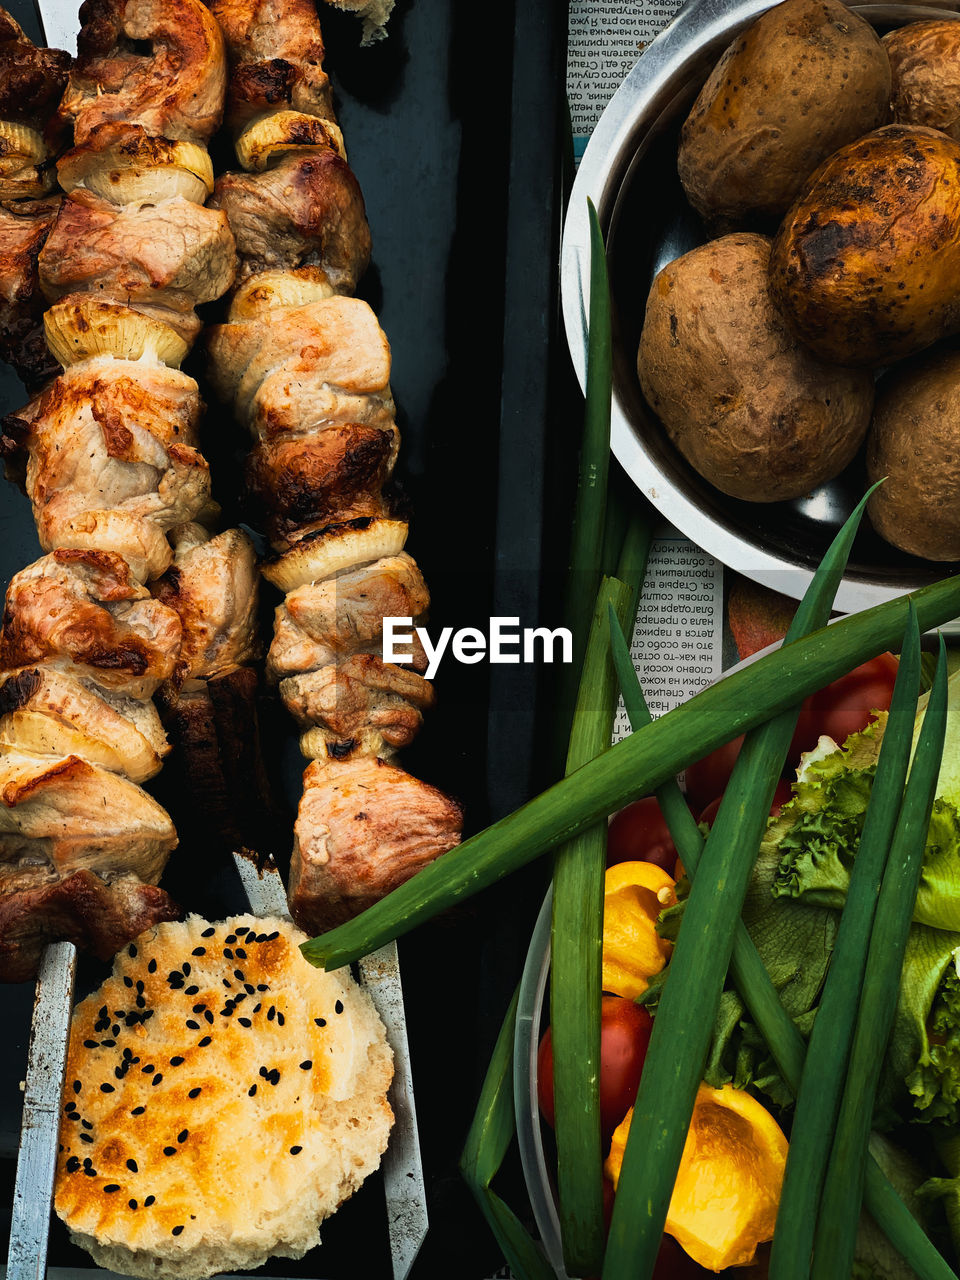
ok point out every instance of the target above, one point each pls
(31, 78)
(210, 708)
(24, 226)
(325, 622)
(57, 713)
(84, 610)
(307, 210)
(276, 55)
(212, 586)
(81, 909)
(364, 826)
(156, 63)
(360, 703)
(61, 815)
(111, 463)
(171, 254)
(336, 341)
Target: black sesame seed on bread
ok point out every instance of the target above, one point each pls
(222, 1097)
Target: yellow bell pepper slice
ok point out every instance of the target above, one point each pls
(634, 894)
(725, 1198)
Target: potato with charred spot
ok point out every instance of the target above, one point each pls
(925, 74)
(746, 404)
(804, 79)
(914, 441)
(866, 265)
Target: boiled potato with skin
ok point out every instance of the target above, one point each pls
(804, 79)
(914, 441)
(925, 70)
(866, 265)
(745, 403)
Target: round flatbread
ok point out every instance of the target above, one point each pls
(222, 1097)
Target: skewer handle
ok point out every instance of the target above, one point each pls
(37, 1158)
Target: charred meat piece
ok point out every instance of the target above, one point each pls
(364, 827)
(81, 909)
(24, 226)
(170, 253)
(307, 210)
(212, 585)
(84, 609)
(275, 84)
(31, 78)
(157, 63)
(60, 815)
(275, 49)
(110, 460)
(52, 712)
(216, 762)
(359, 703)
(325, 622)
(307, 483)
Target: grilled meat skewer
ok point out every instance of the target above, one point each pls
(107, 453)
(306, 368)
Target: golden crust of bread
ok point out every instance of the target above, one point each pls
(222, 1096)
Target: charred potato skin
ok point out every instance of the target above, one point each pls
(866, 265)
(804, 79)
(748, 406)
(925, 70)
(914, 442)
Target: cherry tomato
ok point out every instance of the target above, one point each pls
(639, 833)
(707, 778)
(624, 1036)
(780, 797)
(847, 705)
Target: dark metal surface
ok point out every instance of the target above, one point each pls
(453, 137)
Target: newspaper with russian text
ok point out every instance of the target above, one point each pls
(678, 638)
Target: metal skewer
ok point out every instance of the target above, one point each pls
(46, 1062)
(37, 1158)
(402, 1167)
(404, 1189)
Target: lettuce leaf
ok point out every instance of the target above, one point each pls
(791, 911)
(933, 1077)
(819, 831)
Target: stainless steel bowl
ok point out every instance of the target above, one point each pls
(629, 171)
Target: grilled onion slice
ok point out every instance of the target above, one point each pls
(78, 329)
(270, 137)
(340, 546)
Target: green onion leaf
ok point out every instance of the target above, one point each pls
(590, 505)
(635, 767)
(843, 1186)
(821, 1087)
(673, 1068)
(759, 995)
(575, 951)
(577, 930)
(488, 1141)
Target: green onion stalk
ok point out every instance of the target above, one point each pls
(634, 767)
(673, 1068)
(488, 1141)
(754, 984)
(821, 1087)
(843, 1187)
(576, 935)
